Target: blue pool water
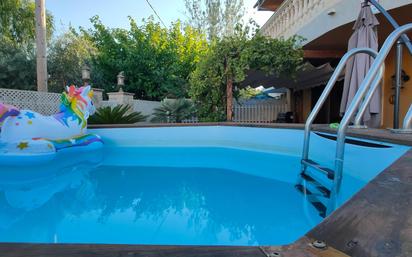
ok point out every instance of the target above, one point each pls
(189, 186)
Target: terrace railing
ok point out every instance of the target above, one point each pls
(258, 113)
(293, 14)
(41, 102)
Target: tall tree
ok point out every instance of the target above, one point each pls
(17, 66)
(216, 18)
(17, 37)
(67, 55)
(17, 22)
(157, 61)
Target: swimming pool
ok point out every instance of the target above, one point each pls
(215, 185)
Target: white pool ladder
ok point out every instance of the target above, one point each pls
(319, 191)
(322, 195)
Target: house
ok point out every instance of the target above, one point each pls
(326, 26)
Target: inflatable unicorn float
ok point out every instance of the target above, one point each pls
(30, 137)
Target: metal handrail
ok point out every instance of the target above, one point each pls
(326, 92)
(369, 78)
(392, 21)
(407, 122)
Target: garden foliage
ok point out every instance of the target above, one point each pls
(180, 61)
(157, 61)
(229, 58)
(120, 114)
(17, 35)
(174, 111)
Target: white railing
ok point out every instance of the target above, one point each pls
(258, 113)
(293, 14)
(191, 120)
(41, 102)
(313, 18)
(48, 103)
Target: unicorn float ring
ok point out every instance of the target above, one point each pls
(30, 137)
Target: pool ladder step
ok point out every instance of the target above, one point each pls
(313, 199)
(328, 172)
(315, 191)
(314, 185)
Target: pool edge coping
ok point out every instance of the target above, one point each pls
(382, 135)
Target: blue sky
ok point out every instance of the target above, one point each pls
(114, 13)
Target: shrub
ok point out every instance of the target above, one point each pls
(119, 114)
(174, 111)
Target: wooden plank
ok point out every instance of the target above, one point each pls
(268, 5)
(302, 248)
(378, 220)
(322, 54)
(102, 250)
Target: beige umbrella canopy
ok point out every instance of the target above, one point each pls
(365, 35)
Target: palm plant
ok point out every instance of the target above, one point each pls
(120, 114)
(174, 111)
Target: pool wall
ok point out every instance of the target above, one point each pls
(376, 222)
(362, 163)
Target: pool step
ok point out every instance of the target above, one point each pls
(325, 192)
(313, 199)
(330, 174)
(315, 187)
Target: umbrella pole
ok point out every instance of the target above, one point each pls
(398, 84)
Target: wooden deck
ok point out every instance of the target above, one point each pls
(377, 221)
(302, 248)
(86, 250)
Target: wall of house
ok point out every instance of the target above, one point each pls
(307, 103)
(406, 91)
(312, 19)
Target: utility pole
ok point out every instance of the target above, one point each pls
(41, 46)
(229, 99)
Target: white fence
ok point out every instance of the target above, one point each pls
(44, 103)
(48, 103)
(259, 113)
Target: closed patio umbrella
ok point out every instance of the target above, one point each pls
(365, 35)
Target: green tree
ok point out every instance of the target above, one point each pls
(17, 35)
(17, 66)
(157, 61)
(224, 67)
(174, 111)
(67, 55)
(247, 92)
(17, 21)
(216, 18)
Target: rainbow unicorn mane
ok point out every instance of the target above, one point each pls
(77, 101)
(6, 111)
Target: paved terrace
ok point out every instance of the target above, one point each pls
(377, 221)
